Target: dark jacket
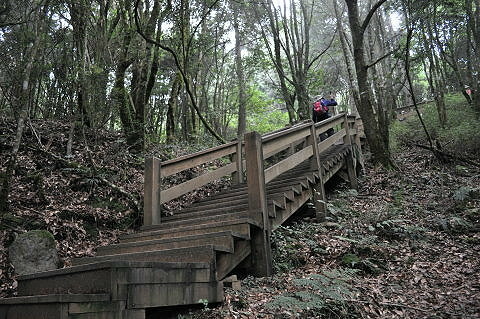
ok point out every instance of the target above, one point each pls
(320, 116)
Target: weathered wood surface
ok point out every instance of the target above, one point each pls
(183, 258)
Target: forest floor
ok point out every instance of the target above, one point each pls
(405, 245)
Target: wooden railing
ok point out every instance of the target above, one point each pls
(247, 157)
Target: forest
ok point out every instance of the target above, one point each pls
(90, 89)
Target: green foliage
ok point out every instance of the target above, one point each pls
(463, 193)
(325, 293)
(267, 121)
(397, 229)
(461, 133)
(454, 225)
(292, 245)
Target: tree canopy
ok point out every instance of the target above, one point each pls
(210, 70)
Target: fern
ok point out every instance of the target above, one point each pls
(318, 292)
(462, 193)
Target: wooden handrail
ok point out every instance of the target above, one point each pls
(272, 143)
(269, 136)
(182, 163)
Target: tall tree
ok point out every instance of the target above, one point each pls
(23, 88)
(371, 119)
(242, 94)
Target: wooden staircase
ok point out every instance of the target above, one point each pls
(183, 259)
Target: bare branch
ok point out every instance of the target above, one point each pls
(383, 57)
(370, 14)
(181, 70)
(323, 51)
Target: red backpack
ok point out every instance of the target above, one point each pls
(319, 107)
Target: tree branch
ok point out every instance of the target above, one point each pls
(182, 72)
(382, 57)
(370, 14)
(448, 155)
(323, 51)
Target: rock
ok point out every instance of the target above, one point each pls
(34, 252)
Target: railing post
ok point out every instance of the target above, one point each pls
(358, 142)
(261, 259)
(349, 160)
(151, 201)
(237, 177)
(319, 198)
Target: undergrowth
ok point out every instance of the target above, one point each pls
(325, 294)
(460, 134)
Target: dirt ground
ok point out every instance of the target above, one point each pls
(406, 245)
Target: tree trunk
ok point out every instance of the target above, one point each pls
(23, 105)
(378, 145)
(172, 107)
(79, 18)
(242, 96)
(347, 55)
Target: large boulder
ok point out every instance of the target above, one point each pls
(34, 252)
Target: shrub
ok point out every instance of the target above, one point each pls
(460, 134)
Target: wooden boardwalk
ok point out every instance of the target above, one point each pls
(183, 259)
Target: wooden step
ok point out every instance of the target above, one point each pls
(301, 181)
(165, 224)
(225, 197)
(288, 195)
(281, 215)
(218, 210)
(224, 205)
(215, 205)
(109, 277)
(223, 239)
(149, 295)
(240, 189)
(197, 254)
(241, 226)
(62, 306)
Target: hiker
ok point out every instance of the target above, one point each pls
(468, 94)
(321, 111)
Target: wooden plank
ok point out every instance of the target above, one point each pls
(188, 161)
(257, 202)
(93, 307)
(237, 176)
(227, 262)
(239, 227)
(181, 189)
(34, 311)
(220, 239)
(274, 146)
(160, 295)
(207, 219)
(222, 205)
(197, 254)
(218, 211)
(288, 163)
(151, 206)
(328, 123)
(55, 298)
(255, 177)
(292, 207)
(324, 145)
(282, 132)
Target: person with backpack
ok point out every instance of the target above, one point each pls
(321, 111)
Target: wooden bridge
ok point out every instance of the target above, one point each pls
(183, 259)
